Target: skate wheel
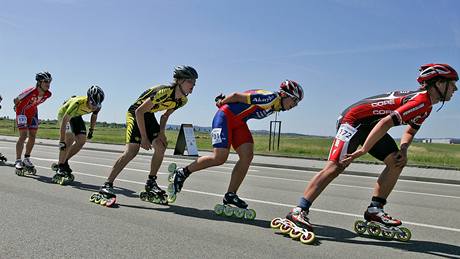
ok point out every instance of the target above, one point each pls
(388, 234)
(103, 201)
(33, 171)
(405, 235)
(172, 167)
(307, 238)
(71, 178)
(54, 167)
(143, 196)
(110, 202)
(154, 199)
(294, 234)
(239, 213)
(97, 198)
(360, 227)
(219, 209)
(373, 229)
(285, 227)
(93, 197)
(250, 214)
(171, 198)
(276, 223)
(228, 211)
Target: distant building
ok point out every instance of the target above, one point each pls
(442, 140)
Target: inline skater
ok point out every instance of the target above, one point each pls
(229, 128)
(26, 109)
(143, 130)
(366, 123)
(72, 133)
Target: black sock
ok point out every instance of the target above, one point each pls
(186, 171)
(26, 156)
(377, 202)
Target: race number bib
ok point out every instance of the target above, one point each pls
(215, 135)
(345, 132)
(22, 120)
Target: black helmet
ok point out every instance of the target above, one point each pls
(185, 72)
(43, 76)
(95, 96)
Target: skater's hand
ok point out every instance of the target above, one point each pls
(90, 133)
(401, 158)
(350, 157)
(219, 100)
(145, 144)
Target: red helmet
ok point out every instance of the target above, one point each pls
(430, 71)
(293, 89)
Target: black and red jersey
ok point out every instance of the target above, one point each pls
(405, 107)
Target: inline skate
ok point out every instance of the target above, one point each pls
(22, 168)
(153, 193)
(296, 224)
(234, 206)
(63, 174)
(105, 197)
(377, 222)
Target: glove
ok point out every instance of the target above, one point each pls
(90, 133)
(62, 146)
(219, 98)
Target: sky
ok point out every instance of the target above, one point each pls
(340, 51)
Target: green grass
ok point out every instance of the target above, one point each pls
(421, 154)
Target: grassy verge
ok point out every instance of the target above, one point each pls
(420, 154)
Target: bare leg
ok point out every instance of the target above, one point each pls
(130, 152)
(30, 142)
(80, 141)
(246, 154)
(218, 157)
(20, 143)
(321, 180)
(157, 157)
(69, 139)
(388, 178)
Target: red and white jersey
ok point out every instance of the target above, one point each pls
(29, 99)
(405, 107)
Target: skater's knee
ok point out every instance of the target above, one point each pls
(159, 147)
(219, 160)
(80, 140)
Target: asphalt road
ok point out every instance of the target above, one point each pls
(40, 219)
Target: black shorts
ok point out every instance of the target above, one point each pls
(385, 146)
(77, 126)
(133, 134)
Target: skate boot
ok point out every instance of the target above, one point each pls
(234, 206)
(378, 222)
(28, 166)
(106, 196)
(62, 176)
(176, 180)
(296, 224)
(153, 193)
(19, 167)
(67, 166)
(2, 158)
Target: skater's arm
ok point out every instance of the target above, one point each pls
(92, 123)
(146, 106)
(375, 135)
(406, 140)
(64, 122)
(235, 98)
